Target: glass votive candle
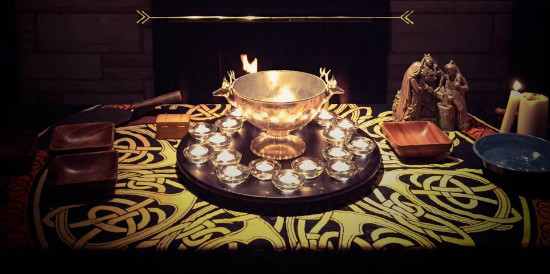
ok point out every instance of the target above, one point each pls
(335, 152)
(345, 123)
(335, 136)
(288, 180)
(235, 112)
(229, 125)
(308, 166)
(325, 118)
(218, 140)
(340, 169)
(264, 169)
(197, 153)
(225, 157)
(201, 130)
(233, 174)
(360, 146)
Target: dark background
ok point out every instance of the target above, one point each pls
(528, 58)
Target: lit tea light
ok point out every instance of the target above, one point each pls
(218, 140)
(325, 118)
(232, 174)
(264, 169)
(340, 166)
(308, 166)
(335, 136)
(232, 171)
(200, 130)
(346, 124)
(229, 125)
(287, 180)
(361, 146)
(225, 157)
(332, 152)
(341, 169)
(197, 153)
(235, 112)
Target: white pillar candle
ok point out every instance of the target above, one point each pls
(511, 109)
(533, 114)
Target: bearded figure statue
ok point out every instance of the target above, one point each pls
(419, 82)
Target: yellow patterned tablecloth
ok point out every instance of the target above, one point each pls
(426, 205)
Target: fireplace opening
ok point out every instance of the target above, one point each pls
(194, 56)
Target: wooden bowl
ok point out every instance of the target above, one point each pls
(416, 139)
(81, 177)
(86, 137)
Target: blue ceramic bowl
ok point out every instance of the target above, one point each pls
(510, 153)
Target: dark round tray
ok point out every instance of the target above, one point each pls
(322, 188)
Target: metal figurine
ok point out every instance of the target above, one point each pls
(429, 94)
(451, 90)
(416, 100)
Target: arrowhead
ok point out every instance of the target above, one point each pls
(405, 17)
(144, 17)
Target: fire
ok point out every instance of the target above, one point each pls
(517, 85)
(249, 67)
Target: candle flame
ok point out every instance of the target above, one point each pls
(284, 95)
(517, 85)
(249, 67)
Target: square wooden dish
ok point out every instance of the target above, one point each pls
(416, 139)
(85, 137)
(81, 177)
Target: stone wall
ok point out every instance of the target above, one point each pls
(92, 51)
(475, 34)
(83, 52)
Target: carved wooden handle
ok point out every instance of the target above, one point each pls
(169, 98)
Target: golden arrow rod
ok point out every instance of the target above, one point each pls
(146, 17)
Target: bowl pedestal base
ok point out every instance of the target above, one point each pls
(278, 147)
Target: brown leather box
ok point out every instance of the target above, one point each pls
(172, 126)
(81, 177)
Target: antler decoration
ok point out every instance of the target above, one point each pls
(231, 75)
(325, 74)
(227, 84)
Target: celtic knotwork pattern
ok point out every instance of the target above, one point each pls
(446, 206)
(344, 230)
(422, 204)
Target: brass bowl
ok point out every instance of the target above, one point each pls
(279, 101)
